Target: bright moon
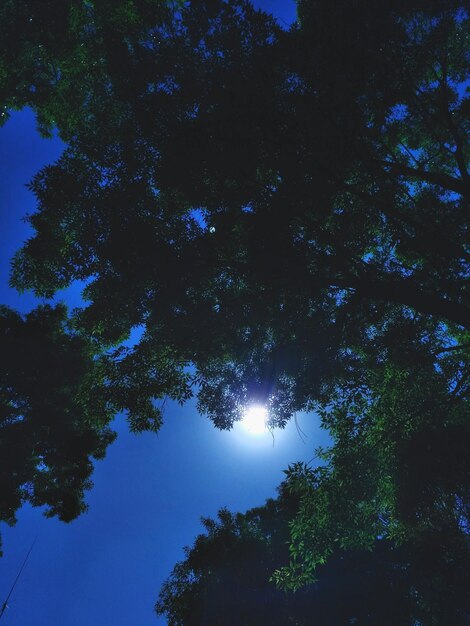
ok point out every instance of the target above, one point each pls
(255, 420)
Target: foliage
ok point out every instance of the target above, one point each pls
(256, 211)
(57, 400)
(224, 579)
(58, 57)
(286, 215)
(225, 576)
(54, 414)
(397, 468)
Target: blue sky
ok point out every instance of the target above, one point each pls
(105, 568)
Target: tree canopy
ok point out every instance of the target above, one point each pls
(59, 56)
(225, 579)
(54, 416)
(285, 213)
(262, 203)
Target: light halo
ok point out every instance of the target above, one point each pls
(255, 419)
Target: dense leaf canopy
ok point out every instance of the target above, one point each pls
(285, 214)
(264, 203)
(53, 414)
(59, 56)
(224, 579)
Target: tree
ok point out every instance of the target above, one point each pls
(225, 575)
(225, 579)
(58, 397)
(54, 413)
(286, 213)
(311, 211)
(397, 468)
(59, 56)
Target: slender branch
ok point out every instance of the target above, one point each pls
(5, 604)
(434, 178)
(406, 292)
(459, 150)
(460, 384)
(465, 346)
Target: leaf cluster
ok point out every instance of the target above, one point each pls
(54, 413)
(225, 578)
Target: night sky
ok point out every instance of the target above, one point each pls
(106, 567)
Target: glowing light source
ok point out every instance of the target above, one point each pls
(255, 419)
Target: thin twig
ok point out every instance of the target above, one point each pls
(5, 604)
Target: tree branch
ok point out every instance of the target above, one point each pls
(434, 178)
(406, 292)
(464, 346)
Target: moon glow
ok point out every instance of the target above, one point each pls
(255, 420)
